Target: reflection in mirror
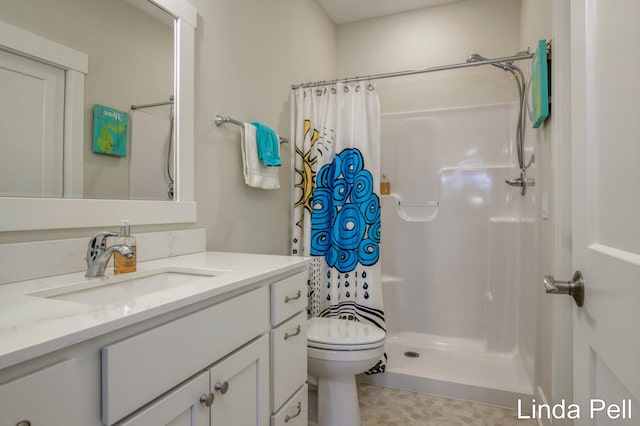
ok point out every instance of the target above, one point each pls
(130, 52)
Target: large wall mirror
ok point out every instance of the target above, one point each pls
(101, 127)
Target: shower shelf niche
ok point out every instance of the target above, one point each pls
(415, 211)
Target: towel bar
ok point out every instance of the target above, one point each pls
(170, 102)
(219, 120)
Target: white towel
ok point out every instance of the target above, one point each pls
(256, 174)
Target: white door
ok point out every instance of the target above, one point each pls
(31, 119)
(606, 208)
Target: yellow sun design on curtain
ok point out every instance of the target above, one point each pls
(307, 174)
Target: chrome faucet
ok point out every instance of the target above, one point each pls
(98, 254)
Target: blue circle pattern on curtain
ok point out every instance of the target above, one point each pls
(345, 218)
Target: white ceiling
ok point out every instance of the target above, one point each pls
(344, 11)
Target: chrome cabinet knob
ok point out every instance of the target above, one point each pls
(222, 387)
(207, 399)
(23, 423)
(573, 288)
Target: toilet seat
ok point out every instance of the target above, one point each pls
(342, 335)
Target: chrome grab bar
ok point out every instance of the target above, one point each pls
(418, 203)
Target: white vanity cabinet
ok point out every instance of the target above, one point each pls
(139, 369)
(289, 351)
(232, 392)
(235, 359)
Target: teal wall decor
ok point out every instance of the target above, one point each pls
(540, 85)
(109, 131)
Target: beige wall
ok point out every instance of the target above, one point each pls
(548, 19)
(431, 37)
(248, 53)
(536, 25)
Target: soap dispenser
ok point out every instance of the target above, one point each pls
(385, 185)
(122, 265)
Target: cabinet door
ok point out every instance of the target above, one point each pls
(181, 407)
(240, 384)
(45, 397)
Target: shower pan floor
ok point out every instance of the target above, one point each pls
(456, 371)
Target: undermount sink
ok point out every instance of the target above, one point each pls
(118, 288)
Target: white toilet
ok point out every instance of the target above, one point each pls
(338, 350)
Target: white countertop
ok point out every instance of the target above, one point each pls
(31, 326)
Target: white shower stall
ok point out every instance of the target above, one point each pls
(458, 249)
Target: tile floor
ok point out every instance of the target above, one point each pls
(392, 407)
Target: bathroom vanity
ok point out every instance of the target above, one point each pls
(199, 339)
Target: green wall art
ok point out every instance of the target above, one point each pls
(109, 131)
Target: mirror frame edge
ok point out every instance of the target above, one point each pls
(25, 214)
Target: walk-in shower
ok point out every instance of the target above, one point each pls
(458, 249)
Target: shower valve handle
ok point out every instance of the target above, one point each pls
(523, 182)
(573, 288)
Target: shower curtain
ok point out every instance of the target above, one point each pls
(336, 206)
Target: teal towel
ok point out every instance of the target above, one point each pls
(268, 145)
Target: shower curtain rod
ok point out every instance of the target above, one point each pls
(416, 71)
(170, 102)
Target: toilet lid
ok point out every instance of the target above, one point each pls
(323, 332)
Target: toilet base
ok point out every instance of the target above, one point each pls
(338, 401)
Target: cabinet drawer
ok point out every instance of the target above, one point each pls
(294, 412)
(288, 297)
(288, 359)
(140, 368)
(46, 397)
